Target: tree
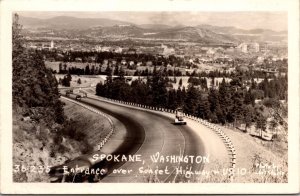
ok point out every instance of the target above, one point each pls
(60, 68)
(237, 107)
(277, 111)
(116, 71)
(203, 110)
(34, 88)
(191, 100)
(92, 71)
(66, 81)
(174, 80)
(17, 38)
(180, 82)
(249, 98)
(248, 116)
(158, 88)
(172, 99)
(87, 70)
(261, 123)
(108, 70)
(65, 68)
(225, 100)
(213, 98)
(140, 92)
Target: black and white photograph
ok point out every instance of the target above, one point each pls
(160, 97)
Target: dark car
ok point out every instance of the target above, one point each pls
(80, 169)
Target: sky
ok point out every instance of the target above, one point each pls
(246, 20)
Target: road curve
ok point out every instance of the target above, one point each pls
(148, 133)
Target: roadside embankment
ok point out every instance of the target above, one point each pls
(37, 147)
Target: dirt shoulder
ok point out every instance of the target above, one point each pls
(254, 155)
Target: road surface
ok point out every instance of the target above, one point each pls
(148, 134)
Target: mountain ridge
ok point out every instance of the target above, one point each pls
(103, 27)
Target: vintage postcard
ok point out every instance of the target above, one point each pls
(144, 97)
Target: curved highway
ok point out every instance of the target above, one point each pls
(147, 134)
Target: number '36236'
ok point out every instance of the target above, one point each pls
(31, 169)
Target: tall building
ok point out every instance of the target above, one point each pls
(243, 47)
(52, 44)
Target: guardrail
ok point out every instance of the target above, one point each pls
(226, 140)
(112, 127)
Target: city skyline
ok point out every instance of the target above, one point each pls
(276, 21)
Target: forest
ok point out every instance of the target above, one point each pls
(231, 103)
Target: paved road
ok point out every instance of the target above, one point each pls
(147, 133)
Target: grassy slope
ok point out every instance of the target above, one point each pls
(35, 146)
(252, 150)
(94, 125)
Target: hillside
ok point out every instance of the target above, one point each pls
(197, 34)
(43, 135)
(64, 26)
(248, 35)
(66, 22)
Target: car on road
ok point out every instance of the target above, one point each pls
(179, 120)
(78, 97)
(265, 135)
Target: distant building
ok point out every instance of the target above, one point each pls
(131, 51)
(264, 47)
(243, 47)
(118, 50)
(98, 48)
(248, 47)
(167, 51)
(78, 59)
(253, 47)
(231, 49)
(210, 51)
(242, 68)
(260, 59)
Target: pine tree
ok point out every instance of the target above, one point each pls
(203, 110)
(248, 115)
(172, 99)
(261, 123)
(180, 82)
(237, 107)
(225, 100)
(158, 88)
(215, 109)
(60, 68)
(87, 70)
(191, 100)
(116, 71)
(92, 72)
(108, 70)
(34, 88)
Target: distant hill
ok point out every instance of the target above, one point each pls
(155, 26)
(116, 30)
(102, 27)
(66, 22)
(194, 34)
(248, 35)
